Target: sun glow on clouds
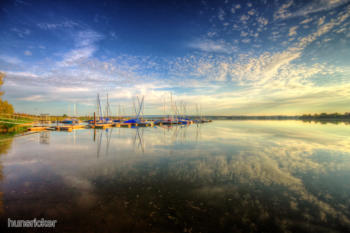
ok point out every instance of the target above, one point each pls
(232, 68)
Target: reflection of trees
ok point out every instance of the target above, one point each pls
(327, 121)
(324, 118)
(5, 145)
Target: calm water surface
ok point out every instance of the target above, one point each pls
(225, 176)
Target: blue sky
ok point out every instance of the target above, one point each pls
(231, 57)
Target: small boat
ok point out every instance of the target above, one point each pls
(71, 121)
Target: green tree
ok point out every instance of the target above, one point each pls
(5, 107)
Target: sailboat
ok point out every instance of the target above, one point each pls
(136, 120)
(74, 120)
(101, 122)
(171, 119)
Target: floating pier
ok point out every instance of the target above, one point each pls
(101, 126)
(64, 128)
(146, 124)
(69, 127)
(37, 128)
(129, 125)
(117, 124)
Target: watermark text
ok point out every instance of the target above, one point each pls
(31, 223)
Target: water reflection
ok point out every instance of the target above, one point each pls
(160, 136)
(44, 137)
(221, 177)
(5, 145)
(138, 140)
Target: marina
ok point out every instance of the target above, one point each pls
(175, 116)
(103, 119)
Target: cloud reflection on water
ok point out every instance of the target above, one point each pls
(263, 167)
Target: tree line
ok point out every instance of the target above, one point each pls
(5, 107)
(326, 116)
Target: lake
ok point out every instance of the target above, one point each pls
(224, 176)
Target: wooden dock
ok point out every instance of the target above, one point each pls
(64, 128)
(69, 128)
(101, 126)
(128, 125)
(37, 128)
(146, 124)
(117, 124)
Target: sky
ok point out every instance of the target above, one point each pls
(265, 57)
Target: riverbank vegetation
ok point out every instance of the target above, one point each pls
(10, 123)
(327, 118)
(345, 116)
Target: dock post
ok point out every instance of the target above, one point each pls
(94, 118)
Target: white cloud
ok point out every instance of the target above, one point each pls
(293, 31)
(244, 34)
(113, 35)
(305, 21)
(52, 26)
(251, 12)
(324, 28)
(212, 46)
(27, 53)
(77, 56)
(244, 18)
(21, 32)
(24, 74)
(221, 14)
(313, 7)
(85, 47)
(87, 38)
(72, 89)
(259, 70)
(283, 12)
(211, 34)
(321, 20)
(10, 59)
(33, 98)
(262, 21)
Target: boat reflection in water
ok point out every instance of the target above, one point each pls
(227, 176)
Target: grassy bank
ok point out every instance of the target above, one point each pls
(13, 126)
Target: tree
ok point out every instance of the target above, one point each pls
(5, 107)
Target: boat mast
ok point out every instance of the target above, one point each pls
(99, 108)
(107, 108)
(171, 105)
(75, 110)
(164, 107)
(140, 108)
